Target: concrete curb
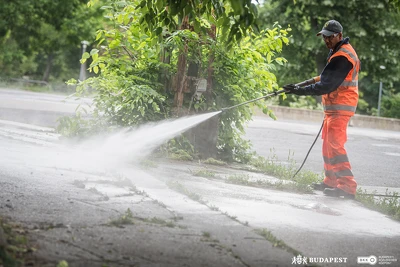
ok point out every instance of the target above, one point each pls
(317, 116)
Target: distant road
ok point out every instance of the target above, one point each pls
(374, 154)
(36, 108)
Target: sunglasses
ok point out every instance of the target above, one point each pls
(329, 37)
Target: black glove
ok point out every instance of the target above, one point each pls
(291, 88)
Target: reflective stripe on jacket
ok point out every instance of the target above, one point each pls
(344, 99)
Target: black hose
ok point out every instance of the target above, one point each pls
(308, 153)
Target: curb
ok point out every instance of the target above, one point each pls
(357, 120)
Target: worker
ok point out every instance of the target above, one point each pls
(338, 85)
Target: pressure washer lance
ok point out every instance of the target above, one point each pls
(304, 83)
(253, 100)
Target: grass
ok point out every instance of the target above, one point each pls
(15, 245)
(213, 161)
(175, 185)
(206, 234)
(148, 164)
(276, 242)
(128, 219)
(388, 204)
(243, 179)
(204, 173)
(272, 166)
(159, 221)
(62, 264)
(124, 219)
(291, 186)
(180, 154)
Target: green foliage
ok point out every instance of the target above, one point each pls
(178, 148)
(276, 168)
(14, 247)
(277, 242)
(243, 179)
(204, 173)
(391, 106)
(388, 204)
(234, 18)
(214, 162)
(124, 219)
(62, 264)
(130, 84)
(71, 126)
(362, 21)
(41, 38)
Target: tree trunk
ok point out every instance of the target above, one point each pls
(181, 71)
(49, 65)
(210, 69)
(163, 77)
(204, 137)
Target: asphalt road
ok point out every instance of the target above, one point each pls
(374, 154)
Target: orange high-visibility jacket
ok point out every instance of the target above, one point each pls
(344, 99)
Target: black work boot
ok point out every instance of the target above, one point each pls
(337, 192)
(320, 186)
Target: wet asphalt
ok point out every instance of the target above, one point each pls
(67, 208)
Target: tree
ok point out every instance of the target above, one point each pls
(44, 36)
(138, 54)
(372, 27)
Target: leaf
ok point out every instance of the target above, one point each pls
(85, 55)
(95, 57)
(94, 51)
(272, 115)
(96, 69)
(99, 34)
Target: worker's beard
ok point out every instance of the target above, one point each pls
(329, 45)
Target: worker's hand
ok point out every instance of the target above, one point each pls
(291, 88)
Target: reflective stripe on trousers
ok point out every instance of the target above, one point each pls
(336, 163)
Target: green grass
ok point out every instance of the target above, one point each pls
(291, 186)
(175, 185)
(148, 164)
(273, 167)
(16, 247)
(180, 154)
(204, 173)
(159, 221)
(213, 161)
(388, 204)
(276, 242)
(124, 219)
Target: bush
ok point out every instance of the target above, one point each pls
(391, 106)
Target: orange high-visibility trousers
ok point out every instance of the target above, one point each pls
(336, 163)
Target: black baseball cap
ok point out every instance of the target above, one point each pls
(330, 28)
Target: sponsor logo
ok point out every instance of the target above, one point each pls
(380, 260)
(372, 260)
